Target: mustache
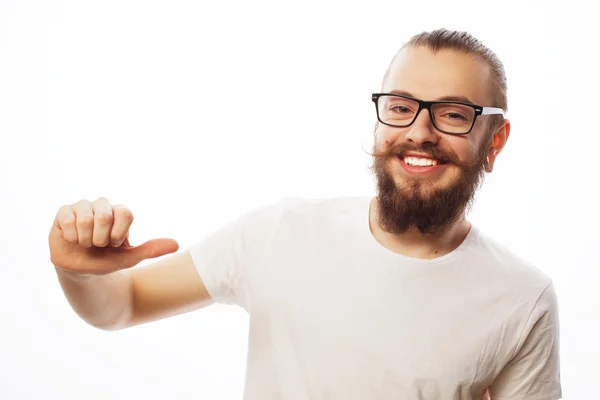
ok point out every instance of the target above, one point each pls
(402, 148)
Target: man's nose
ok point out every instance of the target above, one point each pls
(422, 130)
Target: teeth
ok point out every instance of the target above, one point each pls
(421, 162)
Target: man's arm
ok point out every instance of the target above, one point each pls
(92, 256)
(534, 371)
(131, 297)
(166, 288)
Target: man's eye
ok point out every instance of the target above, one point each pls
(401, 109)
(456, 116)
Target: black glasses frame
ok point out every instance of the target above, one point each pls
(426, 105)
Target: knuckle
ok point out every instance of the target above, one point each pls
(124, 213)
(82, 203)
(68, 222)
(101, 201)
(64, 209)
(85, 221)
(104, 218)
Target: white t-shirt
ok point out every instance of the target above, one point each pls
(335, 315)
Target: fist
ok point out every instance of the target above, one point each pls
(93, 237)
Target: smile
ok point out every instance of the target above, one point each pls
(421, 162)
(417, 165)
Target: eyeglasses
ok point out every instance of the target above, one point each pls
(451, 117)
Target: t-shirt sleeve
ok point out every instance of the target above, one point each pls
(225, 258)
(534, 371)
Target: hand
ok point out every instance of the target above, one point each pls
(93, 238)
(486, 395)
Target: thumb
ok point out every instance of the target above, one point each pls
(151, 249)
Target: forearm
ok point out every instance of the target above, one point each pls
(103, 301)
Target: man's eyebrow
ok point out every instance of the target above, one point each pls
(402, 93)
(462, 99)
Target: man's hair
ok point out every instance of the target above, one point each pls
(443, 39)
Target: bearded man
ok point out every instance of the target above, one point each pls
(392, 296)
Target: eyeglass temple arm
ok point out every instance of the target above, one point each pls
(492, 110)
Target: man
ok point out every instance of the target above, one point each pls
(392, 297)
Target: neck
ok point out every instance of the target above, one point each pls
(413, 243)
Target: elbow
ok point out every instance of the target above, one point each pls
(112, 323)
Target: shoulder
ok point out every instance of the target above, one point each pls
(504, 266)
(522, 292)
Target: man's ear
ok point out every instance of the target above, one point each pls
(498, 142)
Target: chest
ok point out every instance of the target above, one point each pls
(388, 332)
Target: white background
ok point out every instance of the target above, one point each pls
(192, 113)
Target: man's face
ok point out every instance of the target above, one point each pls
(431, 198)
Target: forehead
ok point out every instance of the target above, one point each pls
(429, 76)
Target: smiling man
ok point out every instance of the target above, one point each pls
(430, 156)
(397, 296)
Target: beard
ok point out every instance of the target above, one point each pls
(416, 203)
